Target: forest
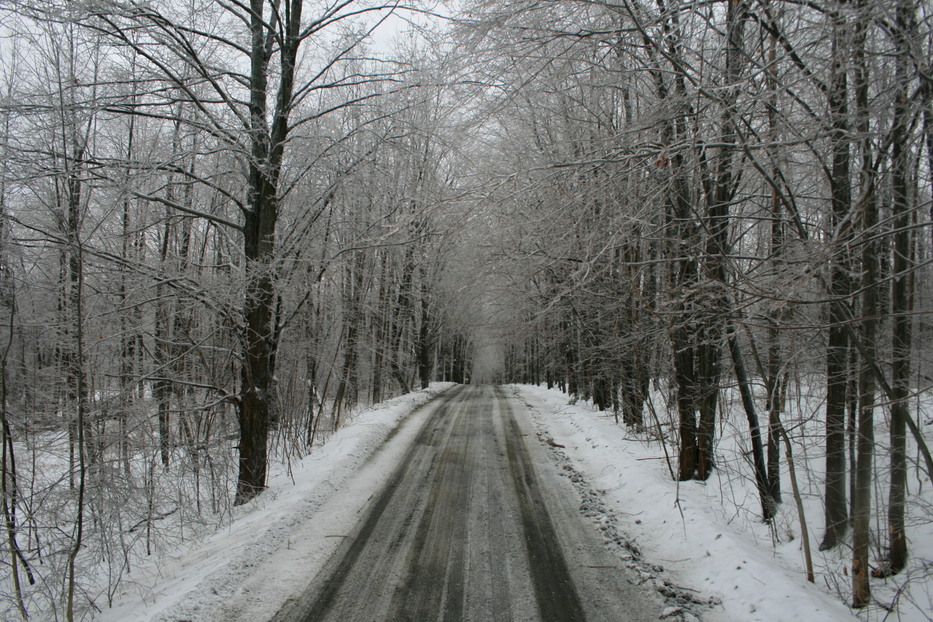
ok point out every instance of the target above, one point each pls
(227, 224)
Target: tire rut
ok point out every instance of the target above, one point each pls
(557, 596)
(461, 532)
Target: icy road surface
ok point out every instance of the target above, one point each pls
(475, 524)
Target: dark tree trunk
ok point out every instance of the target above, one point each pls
(256, 384)
(602, 391)
(380, 330)
(632, 366)
(852, 411)
(708, 356)
(865, 427)
(837, 350)
(776, 392)
(776, 374)
(685, 378)
(571, 358)
(161, 386)
(268, 150)
(685, 332)
(425, 340)
(353, 292)
(901, 287)
(634, 387)
(683, 248)
(460, 356)
(768, 504)
(715, 304)
(402, 319)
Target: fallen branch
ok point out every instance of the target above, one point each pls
(149, 519)
(549, 441)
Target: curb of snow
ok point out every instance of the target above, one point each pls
(682, 604)
(210, 580)
(646, 518)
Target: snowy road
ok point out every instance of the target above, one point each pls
(475, 524)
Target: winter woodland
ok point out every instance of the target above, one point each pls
(225, 226)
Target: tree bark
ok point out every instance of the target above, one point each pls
(768, 505)
(901, 287)
(425, 341)
(865, 428)
(267, 153)
(837, 350)
(775, 381)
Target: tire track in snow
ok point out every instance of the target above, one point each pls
(464, 531)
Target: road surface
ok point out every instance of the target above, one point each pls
(476, 524)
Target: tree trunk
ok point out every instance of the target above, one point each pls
(9, 485)
(76, 263)
(255, 382)
(163, 349)
(901, 287)
(837, 350)
(425, 339)
(381, 324)
(161, 386)
(685, 379)
(865, 428)
(129, 335)
(402, 320)
(715, 302)
(267, 153)
(776, 375)
(347, 388)
(768, 505)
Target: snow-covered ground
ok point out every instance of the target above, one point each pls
(706, 537)
(275, 543)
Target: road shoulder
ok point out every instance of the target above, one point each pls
(620, 564)
(249, 568)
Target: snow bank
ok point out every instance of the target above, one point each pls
(708, 536)
(275, 543)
